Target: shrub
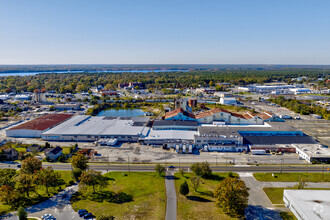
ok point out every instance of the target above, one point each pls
(184, 188)
(22, 215)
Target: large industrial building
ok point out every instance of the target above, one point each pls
(212, 130)
(35, 127)
(308, 204)
(88, 128)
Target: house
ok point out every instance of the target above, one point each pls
(8, 154)
(64, 107)
(53, 153)
(35, 148)
(268, 116)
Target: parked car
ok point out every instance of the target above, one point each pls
(171, 167)
(82, 213)
(19, 165)
(88, 216)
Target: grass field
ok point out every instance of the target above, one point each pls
(275, 195)
(293, 177)
(20, 149)
(200, 204)
(288, 216)
(147, 189)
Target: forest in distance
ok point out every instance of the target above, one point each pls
(130, 67)
(79, 82)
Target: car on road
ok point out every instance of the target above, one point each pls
(171, 167)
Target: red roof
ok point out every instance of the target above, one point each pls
(44, 122)
(176, 112)
(265, 115)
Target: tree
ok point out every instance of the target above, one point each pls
(160, 169)
(232, 196)
(49, 178)
(47, 145)
(6, 177)
(184, 188)
(93, 178)
(22, 214)
(201, 169)
(195, 180)
(76, 174)
(182, 172)
(31, 165)
(80, 162)
(8, 195)
(25, 183)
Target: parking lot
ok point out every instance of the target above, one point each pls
(137, 153)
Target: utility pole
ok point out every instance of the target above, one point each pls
(165, 158)
(323, 172)
(128, 167)
(179, 164)
(216, 160)
(281, 165)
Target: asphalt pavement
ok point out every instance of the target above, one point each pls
(171, 205)
(59, 206)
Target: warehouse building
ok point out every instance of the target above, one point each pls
(88, 128)
(313, 152)
(35, 127)
(308, 204)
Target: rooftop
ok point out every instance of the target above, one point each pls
(313, 150)
(174, 123)
(171, 135)
(87, 125)
(44, 122)
(312, 204)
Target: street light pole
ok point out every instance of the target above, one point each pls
(216, 160)
(281, 165)
(323, 172)
(129, 169)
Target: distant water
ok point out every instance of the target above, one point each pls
(122, 113)
(81, 71)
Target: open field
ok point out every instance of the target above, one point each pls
(275, 195)
(200, 204)
(293, 177)
(147, 189)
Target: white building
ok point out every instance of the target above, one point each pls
(313, 152)
(308, 204)
(228, 101)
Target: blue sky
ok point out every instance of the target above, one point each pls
(164, 32)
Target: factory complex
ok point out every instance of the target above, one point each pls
(212, 130)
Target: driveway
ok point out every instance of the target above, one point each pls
(171, 205)
(59, 207)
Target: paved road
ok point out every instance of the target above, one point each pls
(148, 168)
(59, 207)
(171, 204)
(257, 195)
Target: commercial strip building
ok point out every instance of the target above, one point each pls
(308, 204)
(35, 127)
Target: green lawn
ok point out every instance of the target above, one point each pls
(292, 177)
(66, 150)
(200, 204)
(275, 195)
(147, 189)
(20, 149)
(288, 216)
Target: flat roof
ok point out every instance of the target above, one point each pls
(269, 126)
(311, 204)
(175, 123)
(88, 125)
(314, 150)
(170, 135)
(42, 123)
(264, 140)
